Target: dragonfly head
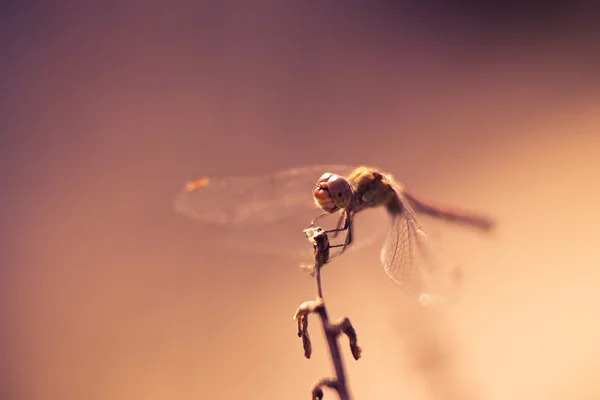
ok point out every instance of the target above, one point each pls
(332, 193)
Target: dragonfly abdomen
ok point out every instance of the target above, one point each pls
(455, 215)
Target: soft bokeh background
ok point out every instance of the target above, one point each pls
(106, 109)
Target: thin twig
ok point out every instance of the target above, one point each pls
(321, 251)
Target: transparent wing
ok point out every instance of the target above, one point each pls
(255, 200)
(279, 203)
(410, 260)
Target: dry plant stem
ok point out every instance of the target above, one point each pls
(331, 334)
(331, 330)
(317, 389)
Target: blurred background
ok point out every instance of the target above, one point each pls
(108, 108)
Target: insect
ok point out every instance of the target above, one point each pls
(248, 204)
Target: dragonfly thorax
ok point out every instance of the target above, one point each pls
(333, 193)
(372, 189)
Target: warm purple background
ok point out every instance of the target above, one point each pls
(107, 109)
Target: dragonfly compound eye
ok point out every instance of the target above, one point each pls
(340, 191)
(332, 193)
(324, 178)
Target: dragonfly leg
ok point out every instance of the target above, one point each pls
(312, 223)
(339, 225)
(347, 242)
(346, 217)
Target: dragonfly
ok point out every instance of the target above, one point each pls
(281, 200)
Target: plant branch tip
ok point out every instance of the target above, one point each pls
(306, 344)
(318, 237)
(343, 325)
(308, 307)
